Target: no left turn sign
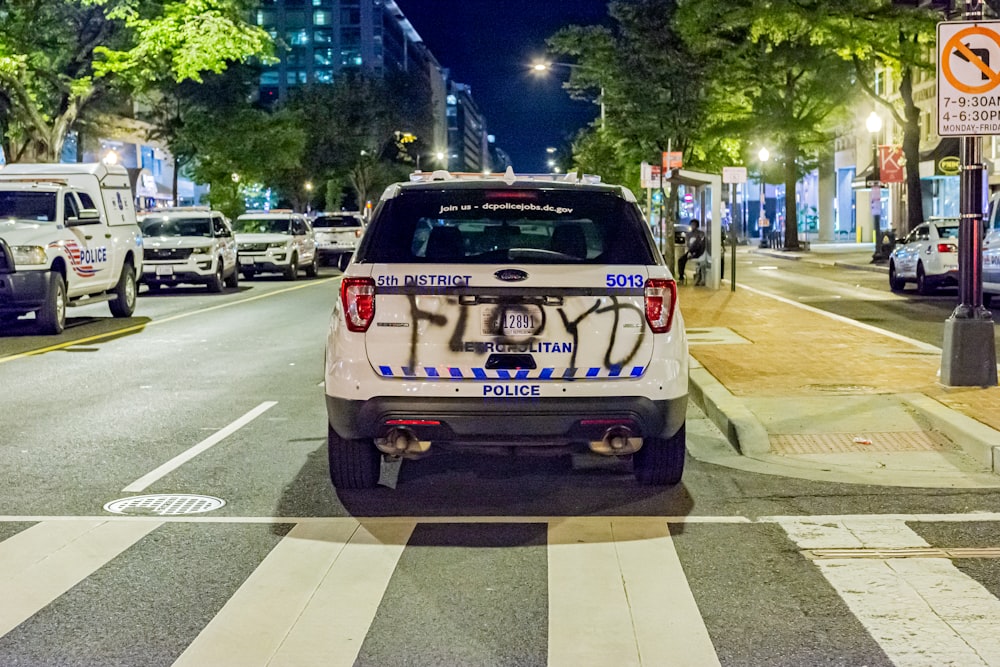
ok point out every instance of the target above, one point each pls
(968, 78)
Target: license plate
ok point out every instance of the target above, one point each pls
(164, 270)
(246, 260)
(513, 320)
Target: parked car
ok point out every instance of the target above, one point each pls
(188, 245)
(338, 235)
(506, 313)
(276, 242)
(928, 256)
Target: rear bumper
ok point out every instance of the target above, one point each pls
(512, 421)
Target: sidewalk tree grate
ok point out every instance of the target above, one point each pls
(164, 504)
(904, 552)
(840, 443)
(714, 336)
(844, 388)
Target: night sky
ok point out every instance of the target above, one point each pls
(489, 44)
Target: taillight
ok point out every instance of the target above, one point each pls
(357, 295)
(661, 298)
(946, 247)
(357, 233)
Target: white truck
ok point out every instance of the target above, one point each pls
(68, 237)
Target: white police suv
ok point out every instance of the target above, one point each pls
(506, 312)
(188, 245)
(275, 242)
(928, 256)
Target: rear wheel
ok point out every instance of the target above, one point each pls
(354, 464)
(896, 284)
(123, 305)
(343, 261)
(660, 461)
(987, 299)
(51, 318)
(923, 285)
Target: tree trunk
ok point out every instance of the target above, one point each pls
(791, 154)
(911, 155)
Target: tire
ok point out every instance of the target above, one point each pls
(123, 305)
(896, 284)
(987, 299)
(660, 461)
(247, 274)
(233, 279)
(313, 269)
(343, 261)
(924, 287)
(51, 318)
(354, 464)
(216, 283)
(291, 272)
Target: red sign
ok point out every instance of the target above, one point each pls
(890, 164)
(672, 160)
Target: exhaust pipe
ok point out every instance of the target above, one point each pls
(617, 441)
(401, 442)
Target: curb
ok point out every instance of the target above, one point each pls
(975, 438)
(744, 432)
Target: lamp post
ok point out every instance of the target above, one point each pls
(546, 65)
(762, 223)
(874, 125)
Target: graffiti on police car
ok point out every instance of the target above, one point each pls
(460, 342)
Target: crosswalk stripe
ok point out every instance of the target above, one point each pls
(616, 591)
(310, 601)
(44, 561)
(921, 611)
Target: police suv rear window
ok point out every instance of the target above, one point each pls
(487, 226)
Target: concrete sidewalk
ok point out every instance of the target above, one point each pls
(809, 394)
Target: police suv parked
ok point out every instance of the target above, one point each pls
(276, 242)
(189, 245)
(338, 235)
(68, 236)
(506, 312)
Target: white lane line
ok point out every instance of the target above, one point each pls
(920, 611)
(926, 347)
(618, 596)
(143, 482)
(334, 624)
(310, 602)
(589, 619)
(62, 556)
(669, 627)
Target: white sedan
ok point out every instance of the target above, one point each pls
(928, 256)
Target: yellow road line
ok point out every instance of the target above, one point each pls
(139, 327)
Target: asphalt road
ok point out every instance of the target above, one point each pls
(455, 560)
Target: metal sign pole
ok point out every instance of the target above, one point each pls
(969, 350)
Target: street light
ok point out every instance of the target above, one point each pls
(542, 66)
(874, 125)
(764, 155)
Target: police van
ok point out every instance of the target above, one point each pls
(506, 313)
(68, 237)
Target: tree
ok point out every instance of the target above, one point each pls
(770, 79)
(59, 58)
(353, 130)
(652, 89)
(898, 41)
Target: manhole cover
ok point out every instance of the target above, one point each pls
(843, 388)
(165, 504)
